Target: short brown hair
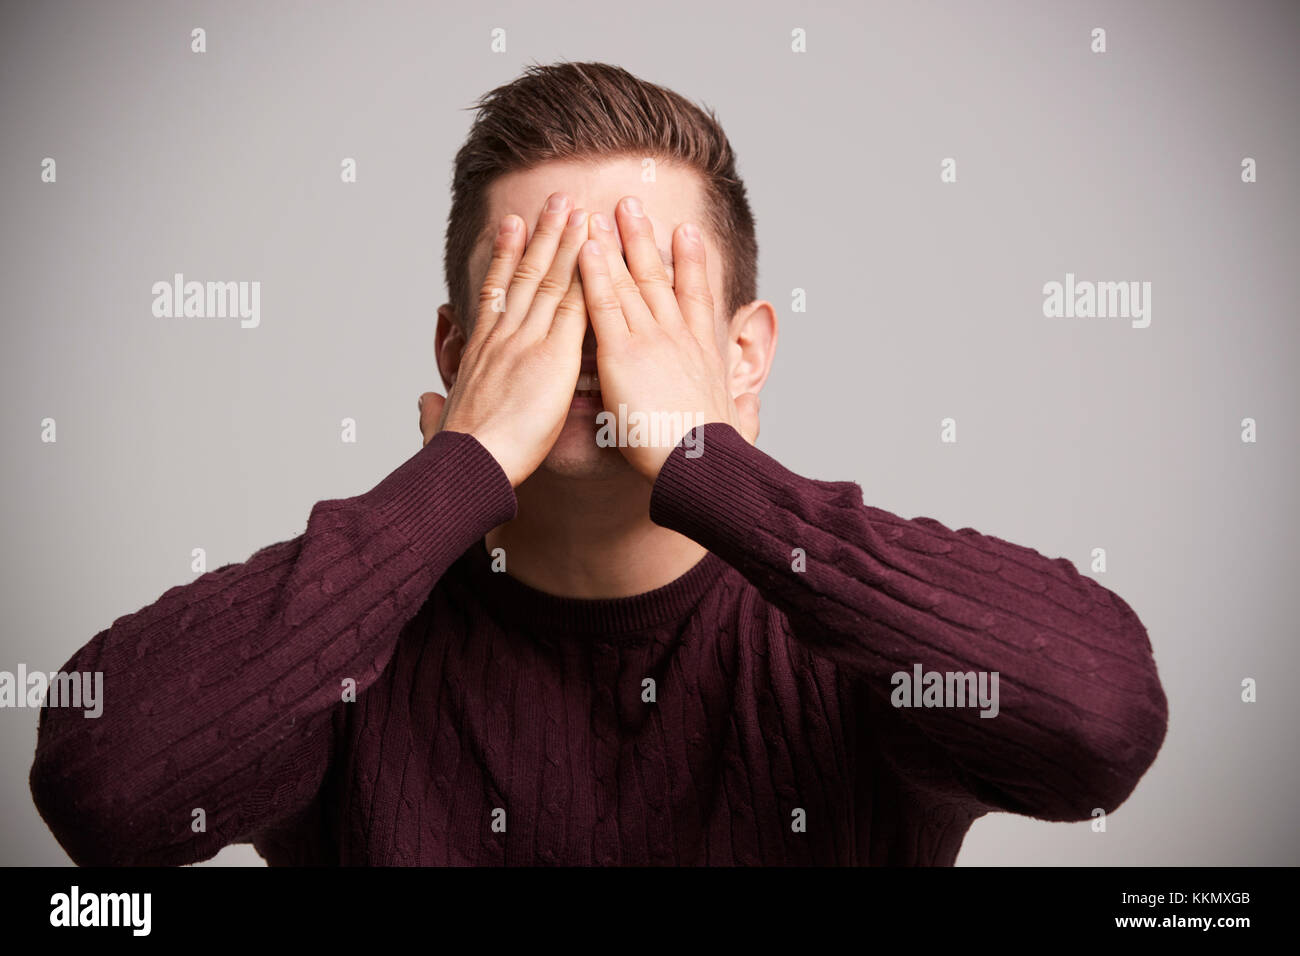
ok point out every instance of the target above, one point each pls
(569, 111)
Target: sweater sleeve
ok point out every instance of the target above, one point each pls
(1081, 711)
(221, 696)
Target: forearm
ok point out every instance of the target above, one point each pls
(218, 696)
(1081, 710)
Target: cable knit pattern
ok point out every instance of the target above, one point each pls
(739, 715)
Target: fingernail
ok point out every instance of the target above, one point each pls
(578, 217)
(633, 205)
(600, 221)
(691, 232)
(510, 224)
(557, 203)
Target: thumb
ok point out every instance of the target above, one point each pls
(747, 410)
(431, 405)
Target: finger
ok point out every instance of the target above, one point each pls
(691, 281)
(559, 278)
(636, 313)
(644, 262)
(506, 250)
(431, 405)
(603, 308)
(569, 326)
(536, 262)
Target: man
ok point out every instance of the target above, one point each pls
(563, 634)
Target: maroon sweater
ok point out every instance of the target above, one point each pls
(496, 724)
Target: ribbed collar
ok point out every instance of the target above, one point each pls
(509, 599)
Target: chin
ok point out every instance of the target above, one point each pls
(575, 453)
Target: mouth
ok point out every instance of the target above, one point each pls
(588, 385)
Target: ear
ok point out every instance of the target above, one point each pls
(448, 344)
(751, 347)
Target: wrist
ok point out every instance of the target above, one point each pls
(714, 485)
(496, 448)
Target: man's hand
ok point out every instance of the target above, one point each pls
(520, 366)
(656, 346)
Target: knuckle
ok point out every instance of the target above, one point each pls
(606, 301)
(694, 295)
(552, 287)
(496, 349)
(570, 305)
(528, 271)
(492, 297)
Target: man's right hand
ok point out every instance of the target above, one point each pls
(520, 366)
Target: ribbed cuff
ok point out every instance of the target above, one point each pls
(448, 494)
(721, 495)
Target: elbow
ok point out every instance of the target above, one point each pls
(102, 817)
(85, 801)
(1124, 758)
(1119, 745)
(1113, 777)
(1114, 751)
(85, 820)
(1140, 723)
(1094, 741)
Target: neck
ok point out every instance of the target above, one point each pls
(591, 538)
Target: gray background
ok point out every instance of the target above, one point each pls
(924, 301)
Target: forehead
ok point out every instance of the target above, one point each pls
(672, 195)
